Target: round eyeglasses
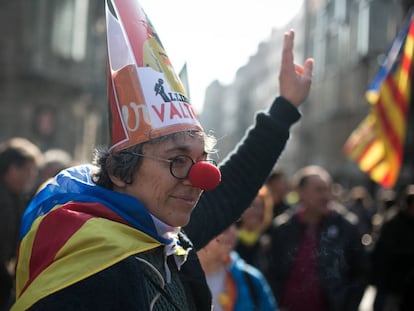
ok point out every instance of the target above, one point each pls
(180, 165)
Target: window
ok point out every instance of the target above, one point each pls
(69, 29)
(363, 28)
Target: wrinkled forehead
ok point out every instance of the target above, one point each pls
(186, 138)
(184, 141)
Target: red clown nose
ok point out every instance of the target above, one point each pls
(204, 175)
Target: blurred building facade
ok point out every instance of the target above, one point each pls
(230, 109)
(52, 73)
(348, 39)
(53, 88)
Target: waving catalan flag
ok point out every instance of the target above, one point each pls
(377, 144)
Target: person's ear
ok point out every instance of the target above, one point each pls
(118, 182)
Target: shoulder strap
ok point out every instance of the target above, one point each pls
(252, 289)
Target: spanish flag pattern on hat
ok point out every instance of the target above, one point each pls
(146, 97)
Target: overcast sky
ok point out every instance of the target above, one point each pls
(215, 37)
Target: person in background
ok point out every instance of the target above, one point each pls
(279, 187)
(393, 259)
(235, 285)
(19, 162)
(253, 242)
(361, 204)
(54, 160)
(317, 260)
(6, 286)
(126, 230)
(387, 206)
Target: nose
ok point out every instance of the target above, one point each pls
(204, 175)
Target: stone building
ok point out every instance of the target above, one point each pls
(52, 73)
(53, 89)
(230, 109)
(348, 39)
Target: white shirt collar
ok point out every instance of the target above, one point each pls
(173, 248)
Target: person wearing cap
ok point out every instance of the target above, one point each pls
(123, 234)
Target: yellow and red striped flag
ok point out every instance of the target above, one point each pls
(73, 229)
(377, 144)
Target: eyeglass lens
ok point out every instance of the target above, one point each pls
(180, 166)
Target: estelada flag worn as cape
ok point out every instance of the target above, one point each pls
(146, 97)
(73, 229)
(377, 144)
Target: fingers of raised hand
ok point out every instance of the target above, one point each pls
(308, 69)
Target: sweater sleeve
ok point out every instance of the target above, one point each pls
(243, 173)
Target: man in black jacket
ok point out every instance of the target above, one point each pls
(317, 260)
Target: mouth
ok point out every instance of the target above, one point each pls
(185, 200)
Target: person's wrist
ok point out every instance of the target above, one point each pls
(291, 99)
(284, 111)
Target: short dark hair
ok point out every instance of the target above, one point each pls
(301, 177)
(121, 164)
(276, 174)
(18, 151)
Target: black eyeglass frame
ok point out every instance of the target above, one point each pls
(175, 160)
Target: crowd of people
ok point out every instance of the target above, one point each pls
(322, 252)
(325, 249)
(154, 224)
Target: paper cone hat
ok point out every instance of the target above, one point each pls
(146, 97)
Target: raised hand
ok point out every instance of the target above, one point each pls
(294, 80)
